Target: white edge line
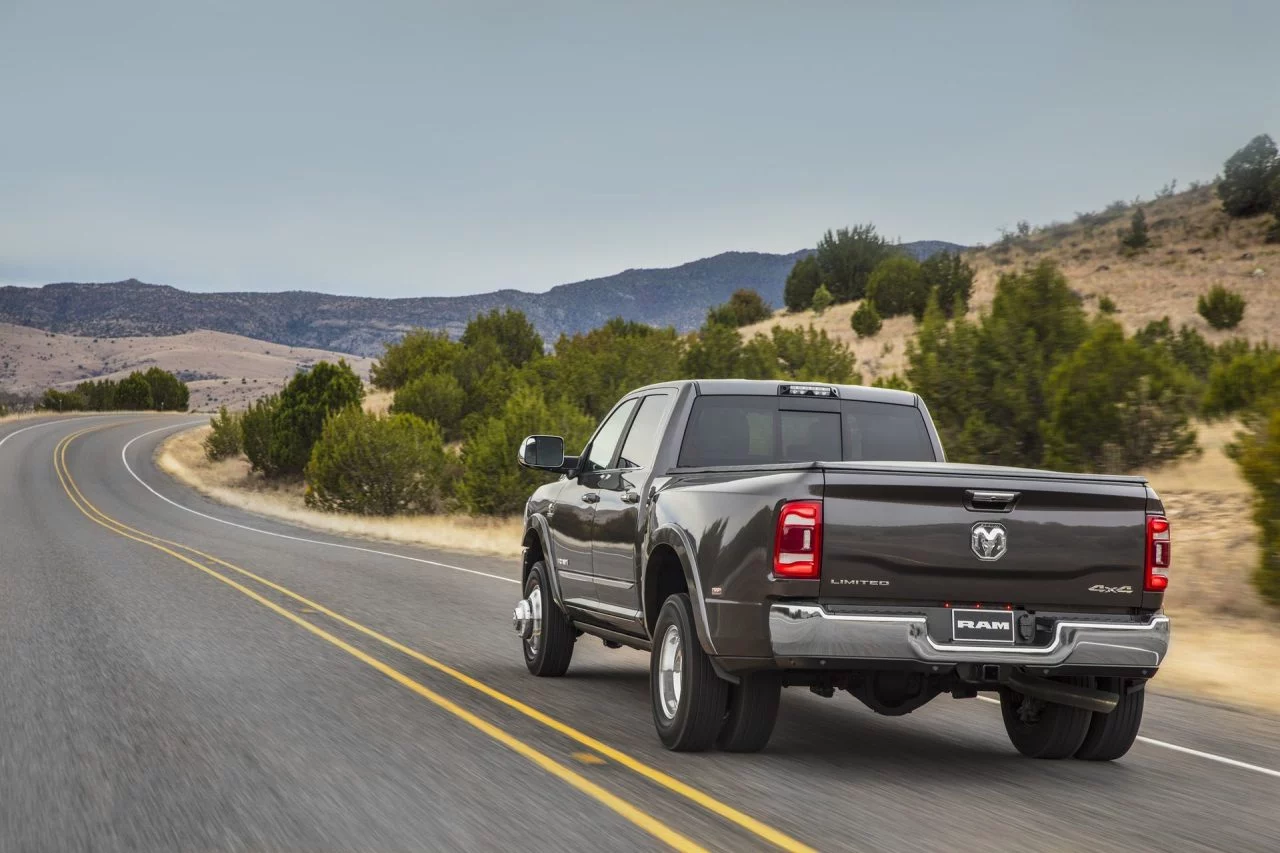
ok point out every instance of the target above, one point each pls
(1221, 759)
(146, 486)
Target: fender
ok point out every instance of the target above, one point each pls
(536, 525)
(679, 542)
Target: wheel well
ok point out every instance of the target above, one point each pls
(532, 553)
(664, 577)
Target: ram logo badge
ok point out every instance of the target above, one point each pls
(989, 540)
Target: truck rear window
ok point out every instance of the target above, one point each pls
(731, 430)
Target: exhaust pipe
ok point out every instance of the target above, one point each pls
(1098, 701)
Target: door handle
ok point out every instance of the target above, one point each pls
(590, 497)
(631, 496)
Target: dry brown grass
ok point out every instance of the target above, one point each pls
(378, 402)
(1232, 661)
(1215, 545)
(233, 370)
(230, 482)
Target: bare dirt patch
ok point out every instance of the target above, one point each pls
(230, 482)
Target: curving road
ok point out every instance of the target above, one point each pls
(180, 675)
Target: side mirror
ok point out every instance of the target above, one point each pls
(542, 451)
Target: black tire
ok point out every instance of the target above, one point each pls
(753, 710)
(1056, 731)
(699, 695)
(1111, 735)
(549, 651)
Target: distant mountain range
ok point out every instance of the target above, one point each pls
(678, 296)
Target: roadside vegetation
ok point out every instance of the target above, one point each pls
(155, 389)
(1030, 377)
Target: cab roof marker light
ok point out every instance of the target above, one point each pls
(797, 390)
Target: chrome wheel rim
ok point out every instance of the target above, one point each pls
(535, 605)
(670, 671)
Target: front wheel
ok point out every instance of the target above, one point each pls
(688, 698)
(1040, 729)
(549, 647)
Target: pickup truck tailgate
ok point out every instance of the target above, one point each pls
(909, 535)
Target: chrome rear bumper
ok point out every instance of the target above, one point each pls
(810, 631)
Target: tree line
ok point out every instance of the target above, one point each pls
(460, 407)
(152, 390)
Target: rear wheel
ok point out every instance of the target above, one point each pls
(549, 648)
(753, 710)
(1111, 735)
(688, 698)
(1040, 729)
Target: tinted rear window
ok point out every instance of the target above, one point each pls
(728, 430)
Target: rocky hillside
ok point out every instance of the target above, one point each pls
(1194, 246)
(678, 297)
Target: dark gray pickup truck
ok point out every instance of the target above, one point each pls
(754, 535)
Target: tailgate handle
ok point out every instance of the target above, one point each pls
(979, 501)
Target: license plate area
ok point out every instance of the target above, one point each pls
(996, 627)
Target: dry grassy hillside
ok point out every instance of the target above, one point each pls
(220, 369)
(1194, 246)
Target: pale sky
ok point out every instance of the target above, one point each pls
(425, 148)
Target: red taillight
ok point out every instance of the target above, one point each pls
(1158, 553)
(797, 547)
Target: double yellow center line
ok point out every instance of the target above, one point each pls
(643, 820)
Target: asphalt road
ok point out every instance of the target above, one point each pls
(246, 684)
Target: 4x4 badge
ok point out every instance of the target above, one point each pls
(989, 540)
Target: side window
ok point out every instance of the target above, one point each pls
(600, 453)
(642, 439)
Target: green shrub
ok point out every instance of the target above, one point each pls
(809, 355)
(1186, 347)
(1221, 308)
(822, 300)
(518, 342)
(847, 257)
(866, 320)
(371, 465)
(1257, 453)
(225, 438)
(1117, 406)
(743, 308)
(985, 381)
(304, 404)
(898, 287)
(433, 397)
(1106, 305)
(948, 276)
(257, 429)
(595, 369)
(417, 353)
(168, 393)
(1242, 380)
(802, 282)
(718, 352)
(134, 393)
(892, 381)
(62, 401)
(1136, 237)
(1247, 176)
(491, 482)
